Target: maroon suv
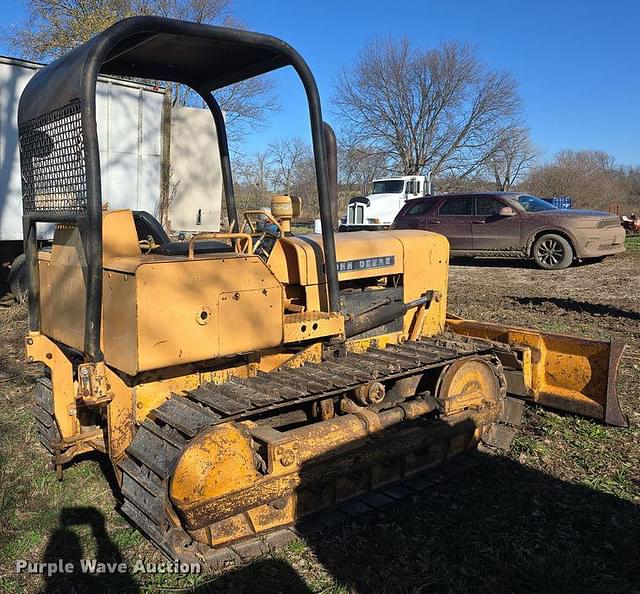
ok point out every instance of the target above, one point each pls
(515, 225)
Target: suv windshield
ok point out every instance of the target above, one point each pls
(388, 186)
(533, 204)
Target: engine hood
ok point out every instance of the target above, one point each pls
(382, 197)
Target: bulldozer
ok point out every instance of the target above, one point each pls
(242, 381)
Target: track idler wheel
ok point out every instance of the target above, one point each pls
(474, 383)
(471, 384)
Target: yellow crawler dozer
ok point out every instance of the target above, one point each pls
(241, 381)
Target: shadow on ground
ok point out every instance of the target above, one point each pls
(64, 547)
(492, 262)
(495, 527)
(64, 550)
(491, 525)
(598, 309)
(480, 262)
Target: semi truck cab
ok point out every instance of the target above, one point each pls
(388, 195)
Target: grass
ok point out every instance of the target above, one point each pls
(632, 242)
(589, 453)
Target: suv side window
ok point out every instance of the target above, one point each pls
(460, 205)
(418, 209)
(486, 206)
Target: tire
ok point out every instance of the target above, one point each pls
(552, 252)
(43, 413)
(18, 279)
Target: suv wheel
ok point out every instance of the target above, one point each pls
(552, 252)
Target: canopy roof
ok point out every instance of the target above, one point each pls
(200, 56)
(203, 57)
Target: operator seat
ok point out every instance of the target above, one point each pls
(147, 225)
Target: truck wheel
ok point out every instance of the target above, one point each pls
(18, 279)
(552, 252)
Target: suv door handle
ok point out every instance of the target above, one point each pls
(477, 222)
(433, 221)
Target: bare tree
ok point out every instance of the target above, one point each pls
(251, 181)
(163, 207)
(54, 27)
(292, 171)
(305, 185)
(287, 156)
(358, 166)
(513, 156)
(439, 109)
(591, 178)
(475, 182)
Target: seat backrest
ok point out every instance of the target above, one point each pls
(119, 235)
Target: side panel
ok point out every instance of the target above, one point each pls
(456, 228)
(426, 267)
(63, 288)
(160, 312)
(250, 319)
(194, 310)
(119, 310)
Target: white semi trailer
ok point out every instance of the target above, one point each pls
(143, 157)
(388, 194)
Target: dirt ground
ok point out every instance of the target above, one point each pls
(560, 512)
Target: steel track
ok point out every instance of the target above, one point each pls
(165, 433)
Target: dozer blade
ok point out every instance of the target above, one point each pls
(559, 371)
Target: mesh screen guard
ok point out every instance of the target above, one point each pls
(52, 163)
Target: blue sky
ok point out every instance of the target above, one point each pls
(577, 62)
